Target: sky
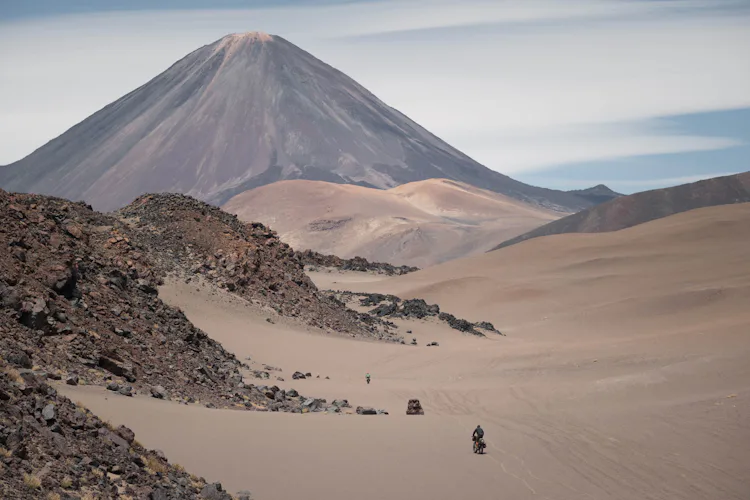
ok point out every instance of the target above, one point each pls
(635, 94)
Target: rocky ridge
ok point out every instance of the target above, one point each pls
(79, 302)
(51, 448)
(316, 260)
(390, 306)
(249, 260)
(78, 299)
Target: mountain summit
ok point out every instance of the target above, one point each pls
(248, 110)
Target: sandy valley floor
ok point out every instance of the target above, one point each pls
(625, 375)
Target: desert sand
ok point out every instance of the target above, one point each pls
(625, 375)
(418, 224)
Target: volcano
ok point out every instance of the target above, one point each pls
(248, 110)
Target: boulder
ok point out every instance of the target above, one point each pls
(433, 344)
(291, 393)
(366, 411)
(298, 376)
(387, 309)
(34, 313)
(215, 492)
(125, 433)
(119, 368)
(341, 403)
(72, 380)
(48, 413)
(113, 386)
(159, 392)
(20, 359)
(126, 390)
(313, 404)
(418, 308)
(414, 407)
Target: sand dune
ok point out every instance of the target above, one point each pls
(689, 270)
(625, 375)
(420, 223)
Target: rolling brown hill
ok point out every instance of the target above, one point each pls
(627, 211)
(418, 224)
(248, 110)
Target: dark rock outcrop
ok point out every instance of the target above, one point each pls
(53, 447)
(314, 260)
(414, 407)
(107, 326)
(394, 307)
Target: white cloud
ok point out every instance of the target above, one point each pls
(524, 153)
(584, 84)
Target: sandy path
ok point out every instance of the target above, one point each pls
(600, 420)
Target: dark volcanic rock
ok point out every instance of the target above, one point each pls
(414, 407)
(126, 390)
(81, 305)
(215, 492)
(48, 413)
(117, 367)
(394, 307)
(366, 411)
(73, 448)
(159, 392)
(20, 359)
(418, 308)
(315, 259)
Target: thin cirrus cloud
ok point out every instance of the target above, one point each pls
(518, 85)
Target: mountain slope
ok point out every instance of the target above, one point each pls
(419, 223)
(248, 110)
(627, 211)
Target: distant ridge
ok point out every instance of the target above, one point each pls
(627, 211)
(597, 194)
